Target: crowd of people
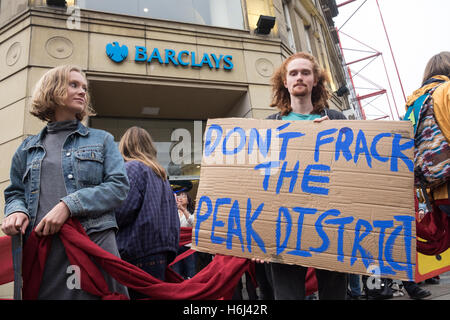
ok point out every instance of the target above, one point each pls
(122, 196)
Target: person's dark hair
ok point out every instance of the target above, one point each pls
(439, 64)
(191, 203)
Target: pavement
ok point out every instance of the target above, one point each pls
(439, 291)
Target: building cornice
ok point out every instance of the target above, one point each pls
(89, 17)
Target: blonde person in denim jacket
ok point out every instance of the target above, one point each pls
(67, 170)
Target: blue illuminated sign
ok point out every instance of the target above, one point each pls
(118, 53)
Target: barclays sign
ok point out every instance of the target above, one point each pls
(119, 53)
(116, 52)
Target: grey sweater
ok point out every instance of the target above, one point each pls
(52, 186)
(58, 281)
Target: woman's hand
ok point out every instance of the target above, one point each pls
(54, 220)
(14, 223)
(184, 210)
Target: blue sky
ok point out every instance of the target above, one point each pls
(417, 29)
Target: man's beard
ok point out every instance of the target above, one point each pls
(300, 91)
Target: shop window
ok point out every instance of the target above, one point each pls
(308, 39)
(289, 27)
(219, 13)
(178, 142)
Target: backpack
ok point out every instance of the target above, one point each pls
(432, 150)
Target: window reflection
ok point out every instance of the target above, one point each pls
(179, 150)
(219, 13)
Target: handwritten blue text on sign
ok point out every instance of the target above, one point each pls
(285, 201)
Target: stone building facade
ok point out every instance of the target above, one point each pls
(186, 61)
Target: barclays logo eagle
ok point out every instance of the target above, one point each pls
(116, 52)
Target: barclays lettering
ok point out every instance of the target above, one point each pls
(184, 58)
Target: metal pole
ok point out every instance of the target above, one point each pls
(350, 76)
(362, 59)
(392, 53)
(344, 3)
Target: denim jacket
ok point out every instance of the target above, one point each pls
(94, 175)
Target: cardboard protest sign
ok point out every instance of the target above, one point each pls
(336, 195)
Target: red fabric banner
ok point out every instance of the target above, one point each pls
(6, 265)
(185, 236)
(434, 228)
(216, 281)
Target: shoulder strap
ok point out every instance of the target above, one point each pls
(431, 80)
(413, 112)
